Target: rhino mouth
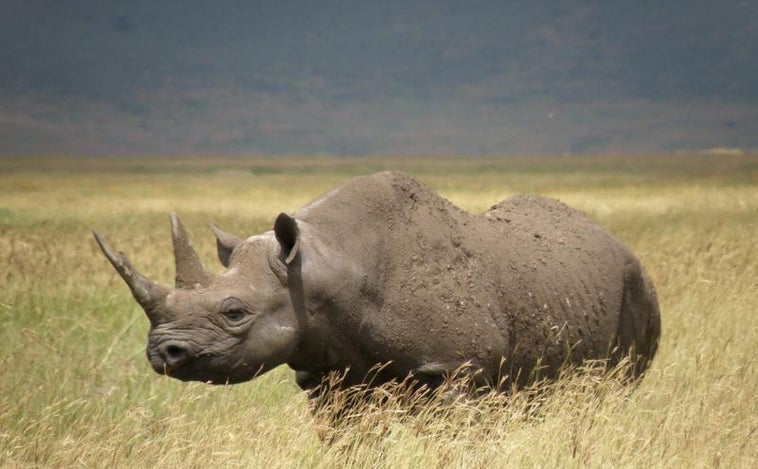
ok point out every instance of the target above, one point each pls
(204, 368)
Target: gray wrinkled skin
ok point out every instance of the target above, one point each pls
(382, 270)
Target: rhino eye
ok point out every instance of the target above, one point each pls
(234, 315)
(234, 311)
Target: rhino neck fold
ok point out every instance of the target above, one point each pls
(325, 284)
(297, 295)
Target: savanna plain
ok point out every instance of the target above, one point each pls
(77, 391)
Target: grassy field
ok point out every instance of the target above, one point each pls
(76, 389)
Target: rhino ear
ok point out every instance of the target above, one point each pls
(288, 235)
(225, 244)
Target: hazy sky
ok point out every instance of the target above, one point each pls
(377, 77)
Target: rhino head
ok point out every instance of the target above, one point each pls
(224, 328)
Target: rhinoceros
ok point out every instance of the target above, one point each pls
(383, 271)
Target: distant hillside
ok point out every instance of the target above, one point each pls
(400, 77)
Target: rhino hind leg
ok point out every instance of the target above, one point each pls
(639, 321)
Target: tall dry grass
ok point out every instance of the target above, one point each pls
(76, 390)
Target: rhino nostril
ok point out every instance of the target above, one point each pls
(175, 352)
(174, 355)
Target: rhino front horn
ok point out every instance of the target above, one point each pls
(189, 269)
(148, 294)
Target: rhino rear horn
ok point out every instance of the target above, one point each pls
(225, 244)
(189, 269)
(148, 294)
